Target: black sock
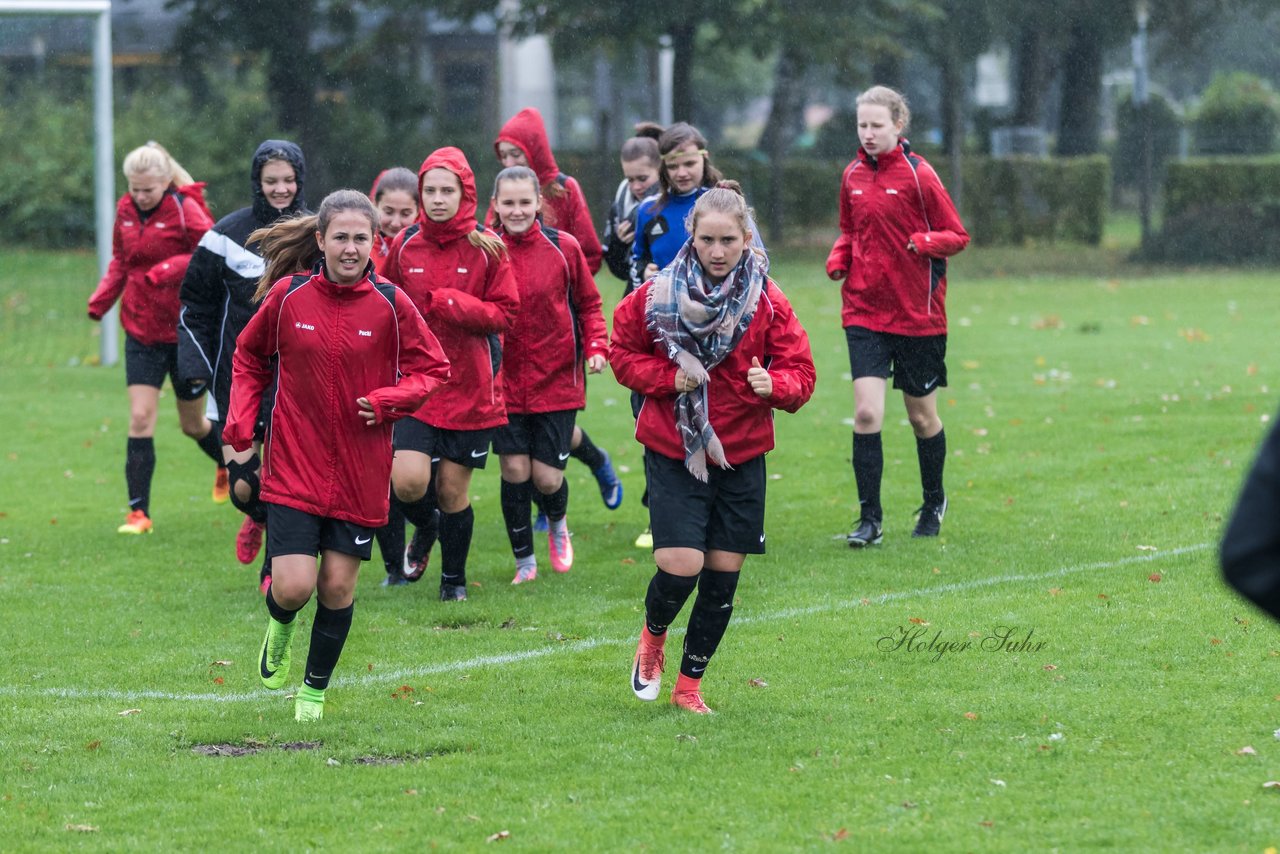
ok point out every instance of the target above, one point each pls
(420, 513)
(517, 499)
(666, 596)
(933, 456)
(587, 452)
(211, 443)
(328, 636)
(556, 504)
(391, 540)
(455, 543)
(139, 466)
(279, 613)
(711, 612)
(537, 498)
(868, 468)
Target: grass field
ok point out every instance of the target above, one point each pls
(1099, 422)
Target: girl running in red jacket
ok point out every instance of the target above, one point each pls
(395, 196)
(159, 222)
(349, 354)
(897, 228)
(559, 327)
(456, 272)
(713, 346)
(523, 142)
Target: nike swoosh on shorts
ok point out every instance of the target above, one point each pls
(360, 542)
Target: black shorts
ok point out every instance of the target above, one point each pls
(545, 436)
(149, 364)
(293, 532)
(468, 448)
(725, 513)
(918, 364)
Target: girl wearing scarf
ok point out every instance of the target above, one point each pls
(456, 271)
(713, 347)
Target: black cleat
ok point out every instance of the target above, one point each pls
(453, 592)
(930, 522)
(868, 532)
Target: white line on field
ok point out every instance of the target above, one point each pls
(129, 696)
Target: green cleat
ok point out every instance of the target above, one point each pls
(308, 706)
(273, 663)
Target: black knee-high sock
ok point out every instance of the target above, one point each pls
(587, 452)
(139, 466)
(932, 453)
(711, 612)
(517, 499)
(277, 611)
(391, 539)
(556, 504)
(666, 596)
(328, 636)
(455, 543)
(211, 443)
(868, 469)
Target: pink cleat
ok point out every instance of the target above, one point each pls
(559, 546)
(688, 695)
(525, 572)
(646, 667)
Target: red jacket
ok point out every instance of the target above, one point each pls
(148, 261)
(567, 211)
(334, 344)
(468, 297)
(559, 326)
(741, 418)
(886, 203)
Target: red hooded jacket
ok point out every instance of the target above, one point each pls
(567, 211)
(886, 203)
(334, 344)
(148, 261)
(559, 326)
(741, 418)
(468, 296)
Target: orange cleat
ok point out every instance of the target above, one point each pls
(137, 522)
(646, 667)
(221, 487)
(688, 695)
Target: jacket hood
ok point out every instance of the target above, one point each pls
(277, 149)
(527, 132)
(465, 219)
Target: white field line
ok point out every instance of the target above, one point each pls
(401, 674)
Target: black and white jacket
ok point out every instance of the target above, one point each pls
(617, 252)
(217, 291)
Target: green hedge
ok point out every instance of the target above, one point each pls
(1221, 210)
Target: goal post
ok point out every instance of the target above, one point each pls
(103, 135)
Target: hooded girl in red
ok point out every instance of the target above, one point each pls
(565, 206)
(457, 273)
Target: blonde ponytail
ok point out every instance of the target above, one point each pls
(487, 242)
(153, 159)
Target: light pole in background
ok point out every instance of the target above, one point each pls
(1142, 102)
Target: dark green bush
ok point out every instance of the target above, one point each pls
(1221, 210)
(1239, 114)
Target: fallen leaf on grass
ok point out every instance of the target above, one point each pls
(218, 681)
(1215, 641)
(82, 828)
(840, 835)
(757, 683)
(971, 716)
(1155, 578)
(128, 712)
(683, 737)
(1051, 667)
(919, 621)
(93, 745)
(332, 762)
(987, 823)
(1246, 751)
(1000, 783)
(908, 805)
(626, 561)
(1271, 784)
(411, 791)
(499, 836)
(1148, 549)
(402, 693)
(221, 663)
